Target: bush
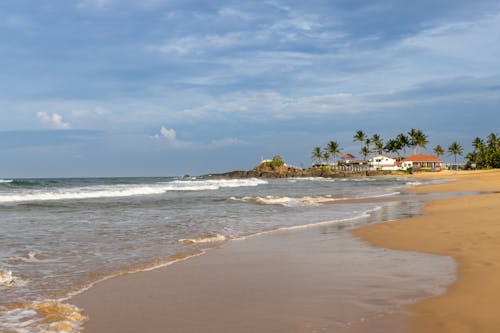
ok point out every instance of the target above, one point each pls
(276, 162)
(495, 160)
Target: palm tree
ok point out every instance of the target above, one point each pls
(493, 141)
(368, 143)
(316, 154)
(392, 146)
(333, 149)
(421, 140)
(360, 136)
(377, 142)
(455, 149)
(439, 151)
(477, 144)
(365, 151)
(403, 142)
(417, 139)
(325, 156)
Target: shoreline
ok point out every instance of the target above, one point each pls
(387, 324)
(280, 281)
(116, 290)
(465, 228)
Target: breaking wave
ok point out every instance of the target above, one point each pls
(121, 190)
(286, 201)
(3, 181)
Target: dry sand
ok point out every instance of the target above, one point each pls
(467, 229)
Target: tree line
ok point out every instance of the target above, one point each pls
(486, 152)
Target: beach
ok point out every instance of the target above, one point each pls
(312, 279)
(466, 229)
(281, 282)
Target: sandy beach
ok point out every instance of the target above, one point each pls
(465, 228)
(284, 282)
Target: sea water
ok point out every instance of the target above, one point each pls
(60, 236)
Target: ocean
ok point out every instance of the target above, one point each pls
(58, 237)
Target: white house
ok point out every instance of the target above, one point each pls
(382, 162)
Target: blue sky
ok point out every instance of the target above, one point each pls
(167, 87)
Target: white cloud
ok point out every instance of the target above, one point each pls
(53, 120)
(168, 134)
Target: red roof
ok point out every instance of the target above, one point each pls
(347, 156)
(422, 158)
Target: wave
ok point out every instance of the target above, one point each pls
(381, 195)
(116, 191)
(44, 316)
(27, 257)
(286, 201)
(9, 280)
(414, 183)
(6, 181)
(207, 239)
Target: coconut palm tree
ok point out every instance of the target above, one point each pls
(377, 143)
(455, 149)
(438, 150)
(403, 142)
(325, 156)
(365, 151)
(392, 146)
(316, 154)
(360, 136)
(421, 140)
(493, 141)
(477, 143)
(333, 149)
(417, 139)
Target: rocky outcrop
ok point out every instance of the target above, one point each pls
(265, 171)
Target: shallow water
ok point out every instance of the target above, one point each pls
(58, 236)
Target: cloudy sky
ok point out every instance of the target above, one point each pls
(168, 87)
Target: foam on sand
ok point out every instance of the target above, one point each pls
(45, 316)
(206, 239)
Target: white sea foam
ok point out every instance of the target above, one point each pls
(206, 239)
(32, 317)
(115, 191)
(6, 181)
(30, 256)
(378, 195)
(286, 201)
(7, 279)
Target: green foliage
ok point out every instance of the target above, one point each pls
(486, 152)
(438, 150)
(495, 159)
(276, 162)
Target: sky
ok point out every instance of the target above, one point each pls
(165, 87)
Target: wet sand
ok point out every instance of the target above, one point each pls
(465, 228)
(317, 279)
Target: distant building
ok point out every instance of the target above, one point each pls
(349, 159)
(382, 162)
(422, 162)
